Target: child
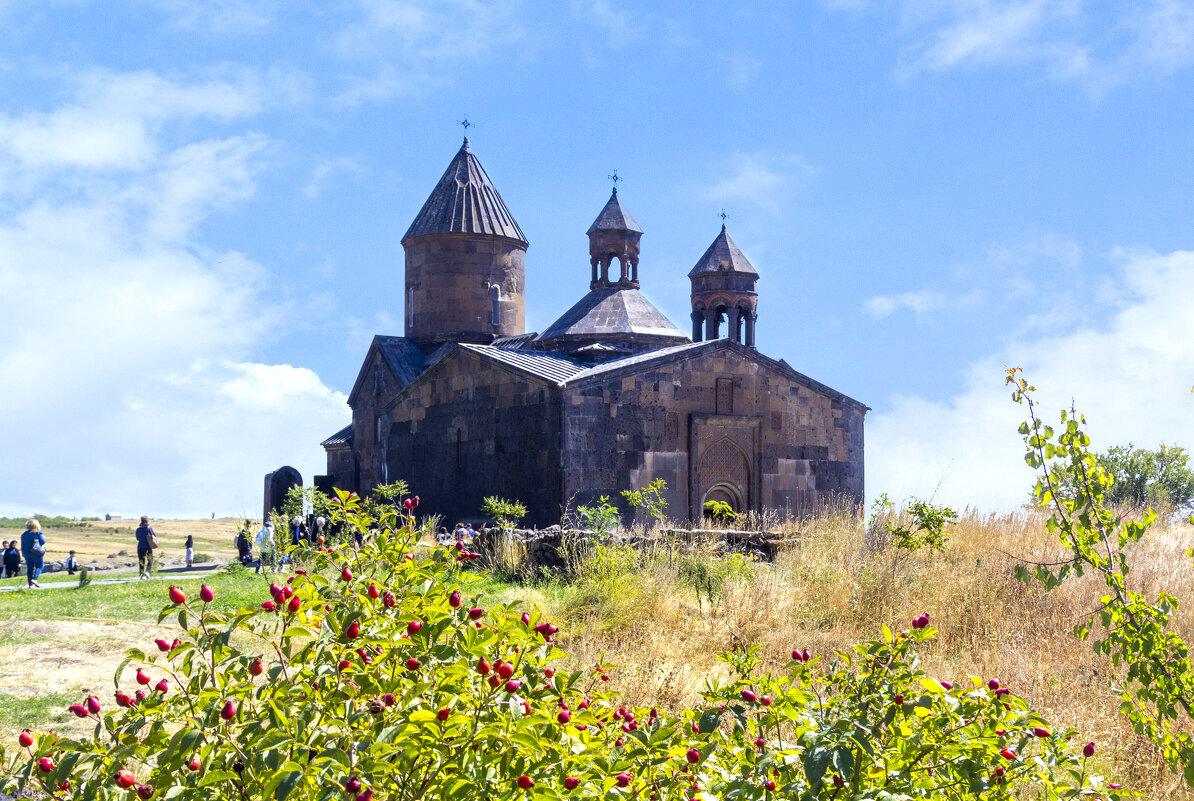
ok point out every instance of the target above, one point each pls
(190, 550)
(72, 564)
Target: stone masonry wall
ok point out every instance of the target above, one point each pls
(798, 442)
(469, 428)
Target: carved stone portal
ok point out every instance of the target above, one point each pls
(724, 462)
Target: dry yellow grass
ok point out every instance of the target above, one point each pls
(840, 585)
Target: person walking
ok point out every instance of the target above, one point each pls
(12, 560)
(190, 546)
(244, 546)
(33, 548)
(147, 540)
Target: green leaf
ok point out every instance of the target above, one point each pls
(816, 762)
(287, 784)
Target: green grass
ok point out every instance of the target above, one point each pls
(32, 712)
(136, 600)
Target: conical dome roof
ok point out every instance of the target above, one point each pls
(723, 256)
(612, 218)
(465, 201)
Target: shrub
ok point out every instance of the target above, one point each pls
(379, 676)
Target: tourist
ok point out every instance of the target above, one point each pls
(3, 555)
(469, 533)
(190, 546)
(443, 537)
(33, 548)
(265, 546)
(72, 564)
(12, 560)
(147, 540)
(244, 548)
(298, 530)
(460, 532)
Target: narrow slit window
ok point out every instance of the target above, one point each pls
(459, 450)
(495, 295)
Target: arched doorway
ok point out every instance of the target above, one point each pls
(725, 475)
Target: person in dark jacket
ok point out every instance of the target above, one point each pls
(146, 539)
(33, 548)
(12, 560)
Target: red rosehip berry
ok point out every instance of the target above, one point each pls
(294, 604)
(93, 704)
(177, 596)
(162, 645)
(346, 575)
(25, 738)
(505, 670)
(353, 785)
(525, 782)
(623, 779)
(1007, 754)
(124, 779)
(162, 686)
(571, 783)
(414, 627)
(564, 716)
(413, 664)
(475, 613)
(269, 606)
(483, 667)
(693, 756)
(373, 591)
(1040, 731)
(388, 699)
(206, 595)
(454, 599)
(352, 630)
(228, 712)
(256, 668)
(443, 714)
(365, 795)
(78, 710)
(194, 764)
(748, 696)
(899, 699)
(145, 792)
(142, 677)
(1088, 750)
(993, 684)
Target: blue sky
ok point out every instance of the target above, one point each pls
(201, 206)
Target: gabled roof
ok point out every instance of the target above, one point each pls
(341, 437)
(514, 341)
(612, 310)
(465, 201)
(723, 256)
(691, 349)
(612, 218)
(403, 358)
(548, 366)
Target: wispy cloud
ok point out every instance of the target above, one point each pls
(920, 303)
(327, 170)
(1097, 45)
(759, 179)
(408, 46)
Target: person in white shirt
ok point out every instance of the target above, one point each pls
(265, 546)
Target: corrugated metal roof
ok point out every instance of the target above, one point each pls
(403, 357)
(465, 201)
(341, 437)
(612, 218)
(723, 256)
(631, 361)
(548, 366)
(515, 342)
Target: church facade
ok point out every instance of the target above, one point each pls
(611, 396)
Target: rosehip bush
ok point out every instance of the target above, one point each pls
(390, 680)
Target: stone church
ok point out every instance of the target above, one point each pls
(610, 396)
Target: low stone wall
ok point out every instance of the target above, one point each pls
(544, 547)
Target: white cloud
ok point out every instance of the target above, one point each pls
(408, 44)
(1099, 45)
(130, 349)
(919, 303)
(1130, 374)
(759, 179)
(221, 16)
(325, 171)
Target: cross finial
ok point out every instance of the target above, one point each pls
(723, 216)
(613, 176)
(466, 125)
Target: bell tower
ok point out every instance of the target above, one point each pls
(723, 290)
(614, 235)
